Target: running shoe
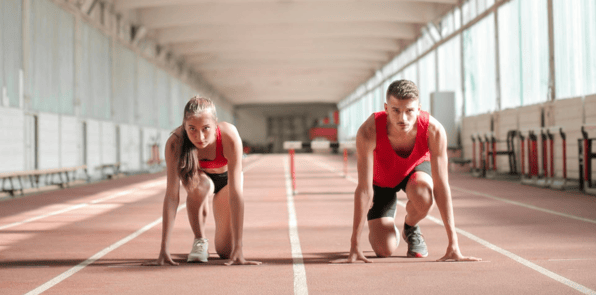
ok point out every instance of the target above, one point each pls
(200, 251)
(416, 245)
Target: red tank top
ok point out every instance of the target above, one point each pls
(389, 168)
(219, 160)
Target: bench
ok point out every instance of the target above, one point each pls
(34, 175)
(109, 170)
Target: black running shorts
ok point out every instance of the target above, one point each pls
(384, 198)
(220, 180)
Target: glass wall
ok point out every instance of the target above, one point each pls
(575, 44)
(523, 47)
(427, 83)
(449, 67)
(479, 67)
(11, 39)
(94, 74)
(50, 75)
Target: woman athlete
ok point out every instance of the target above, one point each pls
(206, 156)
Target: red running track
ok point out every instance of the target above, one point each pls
(93, 239)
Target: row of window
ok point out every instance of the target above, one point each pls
(116, 85)
(466, 60)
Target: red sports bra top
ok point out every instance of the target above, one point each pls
(219, 160)
(389, 168)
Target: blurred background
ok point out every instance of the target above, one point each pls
(104, 82)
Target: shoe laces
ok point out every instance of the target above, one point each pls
(415, 238)
(199, 246)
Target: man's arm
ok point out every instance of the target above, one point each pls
(437, 144)
(365, 145)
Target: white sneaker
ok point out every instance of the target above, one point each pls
(200, 251)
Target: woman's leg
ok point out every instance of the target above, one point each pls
(223, 222)
(199, 190)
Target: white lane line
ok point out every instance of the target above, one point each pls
(563, 280)
(581, 288)
(524, 205)
(300, 286)
(51, 283)
(107, 250)
(78, 206)
(253, 164)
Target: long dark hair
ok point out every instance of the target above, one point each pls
(187, 162)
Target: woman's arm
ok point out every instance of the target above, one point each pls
(171, 201)
(232, 149)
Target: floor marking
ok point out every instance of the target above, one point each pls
(524, 205)
(563, 280)
(581, 288)
(74, 207)
(300, 286)
(51, 283)
(252, 164)
(570, 259)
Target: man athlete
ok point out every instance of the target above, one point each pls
(401, 148)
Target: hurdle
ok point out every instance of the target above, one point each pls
(292, 146)
(492, 153)
(555, 182)
(585, 160)
(542, 180)
(531, 139)
(478, 160)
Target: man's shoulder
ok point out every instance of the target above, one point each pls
(434, 125)
(367, 131)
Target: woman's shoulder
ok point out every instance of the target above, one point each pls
(227, 129)
(175, 138)
(229, 133)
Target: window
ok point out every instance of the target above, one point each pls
(575, 44)
(479, 67)
(449, 68)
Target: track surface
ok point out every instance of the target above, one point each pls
(93, 239)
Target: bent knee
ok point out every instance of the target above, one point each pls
(200, 185)
(384, 252)
(420, 191)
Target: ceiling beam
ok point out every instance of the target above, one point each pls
(289, 13)
(286, 45)
(122, 5)
(264, 65)
(390, 30)
(293, 56)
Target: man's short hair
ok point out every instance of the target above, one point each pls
(402, 89)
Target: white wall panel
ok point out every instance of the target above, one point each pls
(12, 132)
(151, 136)
(93, 147)
(49, 141)
(108, 143)
(69, 141)
(130, 148)
(590, 118)
(165, 134)
(468, 127)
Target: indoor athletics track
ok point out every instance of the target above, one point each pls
(92, 239)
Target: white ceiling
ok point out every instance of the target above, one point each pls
(284, 51)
